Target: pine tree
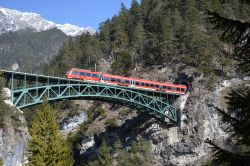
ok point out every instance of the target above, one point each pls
(177, 22)
(238, 114)
(46, 146)
(123, 64)
(237, 32)
(105, 159)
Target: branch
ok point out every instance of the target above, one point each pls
(238, 33)
(222, 156)
(234, 31)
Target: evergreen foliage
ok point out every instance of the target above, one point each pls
(139, 154)
(4, 110)
(104, 159)
(111, 123)
(154, 32)
(46, 146)
(76, 139)
(31, 50)
(157, 32)
(238, 114)
(238, 119)
(236, 32)
(81, 53)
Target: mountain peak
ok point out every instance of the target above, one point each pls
(14, 20)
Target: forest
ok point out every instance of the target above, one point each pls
(154, 33)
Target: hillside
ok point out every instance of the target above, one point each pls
(29, 50)
(156, 33)
(168, 41)
(28, 41)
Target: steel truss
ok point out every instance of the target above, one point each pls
(31, 89)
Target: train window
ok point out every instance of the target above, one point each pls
(157, 86)
(106, 79)
(182, 89)
(94, 75)
(152, 85)
(118, 80)
(82, 73)
(164, 87)
(88, 74)
(137, 83)
(178, 89)
(147, 84)
(127, 81)
(169, 87)
(142, 84)
(113, 79)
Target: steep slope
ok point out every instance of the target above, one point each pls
(29, 50)
(28, 41)
(164, 41)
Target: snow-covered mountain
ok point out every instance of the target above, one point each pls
(13, 20)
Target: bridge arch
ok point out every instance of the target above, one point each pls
(29, 96)
(28, 89)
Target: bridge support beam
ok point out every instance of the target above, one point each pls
(36, 88)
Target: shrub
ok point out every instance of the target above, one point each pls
(111, 123)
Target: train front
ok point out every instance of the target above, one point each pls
(69, 74)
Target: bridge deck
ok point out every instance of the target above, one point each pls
(59, 80)
(30, 89)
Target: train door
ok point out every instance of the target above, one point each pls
(101, 78)
(132, 83)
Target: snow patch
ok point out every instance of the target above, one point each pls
(72, 123)
(13, 20)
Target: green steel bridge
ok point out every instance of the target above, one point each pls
(30, 89)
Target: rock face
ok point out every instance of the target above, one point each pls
(184, 144)
(13, 141)
(72, 123)
(13, 136)
(178, 145)
(87, 143)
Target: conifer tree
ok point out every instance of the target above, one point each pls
(238, 114)
(105, 159)
(46, 146)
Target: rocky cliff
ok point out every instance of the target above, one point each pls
(181, 144)
(13, 136)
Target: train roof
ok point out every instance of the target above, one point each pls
(134, 79)
(80, 69)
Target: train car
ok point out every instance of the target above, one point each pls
(174, 88)
(110, 79)
(82, 74)
(114, 80)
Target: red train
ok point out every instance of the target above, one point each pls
(110, 79)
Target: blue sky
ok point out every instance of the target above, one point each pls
(77, 12)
